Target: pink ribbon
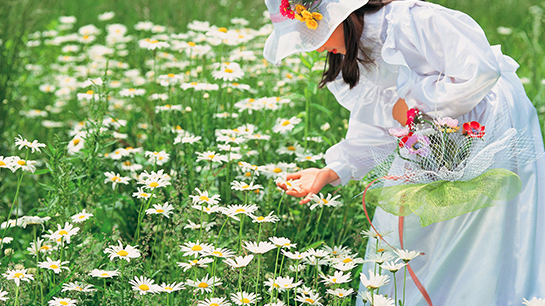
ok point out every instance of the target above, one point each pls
(276, 18)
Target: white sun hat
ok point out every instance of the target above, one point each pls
(291, 35)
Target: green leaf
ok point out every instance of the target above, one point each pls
(322, 108)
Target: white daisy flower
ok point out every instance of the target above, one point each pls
(104, 273)
(203, 197)
(112, 177)
(259, 247)
(340, 293)
(311, 299)
(214, 302)
(239, 261)
(118, 251)
(284, 126)
(17, 275)
(34, 145)
(141, 194)
(374, 281)
(195, 249)
(169, 288)
(164, 209)
(80, 217)
(337, 278)
(201, 263)
(406, 255)
(244, 298)
(144, 285)
(204, 284)
(282, 242)
(74, 286)
(55, 265)
(62, 302)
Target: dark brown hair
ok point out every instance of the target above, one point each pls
(356, 53)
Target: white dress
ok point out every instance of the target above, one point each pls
(440, 61)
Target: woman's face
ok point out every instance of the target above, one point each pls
(335, 43)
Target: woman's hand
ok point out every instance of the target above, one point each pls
(312, 181)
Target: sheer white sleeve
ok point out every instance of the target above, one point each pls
(445, 61)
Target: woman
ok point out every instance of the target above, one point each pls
(387, 57)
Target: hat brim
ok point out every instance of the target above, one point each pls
(291, 36)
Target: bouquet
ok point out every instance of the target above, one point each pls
(441, 169)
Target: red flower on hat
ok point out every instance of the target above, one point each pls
(285, 9)
(473, 129)
(411, 115)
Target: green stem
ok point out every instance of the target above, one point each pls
(278, 212)
(317, 225)
(274, 275)
(14, 202)
(141, 214)
(395, 288)
(404, 281)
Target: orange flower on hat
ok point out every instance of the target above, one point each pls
(317, 16)
(311, 24)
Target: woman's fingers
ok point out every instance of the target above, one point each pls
(293, 176)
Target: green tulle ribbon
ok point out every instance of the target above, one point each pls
(444, 200)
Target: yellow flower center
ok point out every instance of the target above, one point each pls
(192, 44)
(223, 29)
(144, 195)
(89, 92)
(211, 156)
(202, 285)
(334, 280)
(21, 162)
(246, 186)
(261, 218)
(240, 210)
(196, 248)
(18, 275)
(160, 211)
(122, 253)
(248, 174)
(44, 247)
(308, 157)
(340, 294)
(168, 288)
(143, 287)
(285, 123)
(54, 267)
(236, 84)
(309, 300)
(277, 170)
(116, 179)
(127, 163)
(63, 232)
(2, 163)
(193, 83)
(154, 184)
(178, 127)
(171, 75)
(78, 288)
(219, 254)
(228, 70)
(214, 304)
(291, 148)
(245, 300)
(347, 260)
(195, 261)
(104, 274)
(63, 303)
(76, 141)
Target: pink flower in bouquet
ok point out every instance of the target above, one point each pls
(403, 140)
(447, 121)
(411, 115)
(418, 144)
(473, 129)
(399, 132)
